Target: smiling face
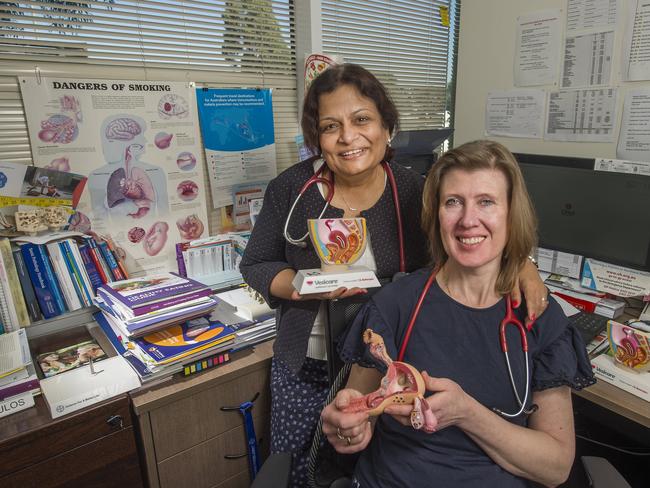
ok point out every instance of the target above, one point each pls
(352, 134)
(473, 216)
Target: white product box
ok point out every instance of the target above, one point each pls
(605, 369)
(315, 280)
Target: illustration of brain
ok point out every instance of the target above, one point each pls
(122, 129)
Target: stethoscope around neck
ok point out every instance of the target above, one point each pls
(318, 178)
(508, 319)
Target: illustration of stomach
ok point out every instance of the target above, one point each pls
(186, 161)
(79, 222)
(190, 227)
(187, 190)
(58, 128)
(163, 140)
(136, 234)
(155, 238)
(59, 164)
(172, 105)
(136, 187)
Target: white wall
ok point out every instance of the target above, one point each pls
(485, 62)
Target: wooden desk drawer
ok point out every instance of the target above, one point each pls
(105, 463)
(185, 423)
(204, 465)
(41, 439)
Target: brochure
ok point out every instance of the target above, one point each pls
(71, 357)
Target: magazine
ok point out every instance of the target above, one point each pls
(184, 339)
(163, 289)
(71, 357)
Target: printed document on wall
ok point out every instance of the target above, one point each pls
(515, 113)
(634, 138)
(591, 14)
(238, 136)
(581, 115)
(637, 42)
(537, 54)
(137, 143)
(588, 60)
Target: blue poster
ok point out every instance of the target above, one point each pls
(238, 136)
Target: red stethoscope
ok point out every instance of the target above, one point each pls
(317, 178)
(509, 319)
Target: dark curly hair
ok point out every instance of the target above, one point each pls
(331, 79)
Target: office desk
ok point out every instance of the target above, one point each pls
(618, 401)
(186, 437)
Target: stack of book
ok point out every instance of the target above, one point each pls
(44, 276)
(18, 381)
(158, 323)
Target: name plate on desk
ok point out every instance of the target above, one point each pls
(79, 388)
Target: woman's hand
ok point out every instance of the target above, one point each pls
(533, 289)
(346, 432)
(341, 292)
(449, 403)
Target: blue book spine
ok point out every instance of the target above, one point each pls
(53, 283)
(110, 260)
(93, 274)
(27, 287)
(74, 274)
(35, 268)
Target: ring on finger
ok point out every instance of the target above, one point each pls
(338, 433)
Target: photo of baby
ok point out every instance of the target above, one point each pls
(71, 357)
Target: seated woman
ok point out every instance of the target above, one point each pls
(485, 430)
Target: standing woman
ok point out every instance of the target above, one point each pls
(348, 119)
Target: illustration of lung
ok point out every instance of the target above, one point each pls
(136, 187)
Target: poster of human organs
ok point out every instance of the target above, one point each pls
(138, 143)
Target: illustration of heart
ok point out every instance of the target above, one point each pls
(133, 184)
(59, 164)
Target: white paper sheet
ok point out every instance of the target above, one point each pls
(538, 48)
(637, 43)
(634, 138)
(591, 14)
(581, 115)
(515, 113)
(588, 60)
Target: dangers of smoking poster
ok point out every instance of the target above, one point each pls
(138, 142)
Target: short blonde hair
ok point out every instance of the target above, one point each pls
(522, 221)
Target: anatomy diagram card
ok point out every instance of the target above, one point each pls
(138, 143)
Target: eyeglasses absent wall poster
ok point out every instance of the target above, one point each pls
(239, 140)
(138, 143)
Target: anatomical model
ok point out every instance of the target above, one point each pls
(402, 385)
(127, 188)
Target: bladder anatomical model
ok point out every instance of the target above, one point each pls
(402, 385)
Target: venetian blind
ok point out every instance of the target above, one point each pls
(405, 44)
(231, 43)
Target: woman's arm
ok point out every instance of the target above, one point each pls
(542, 452)
(533, 288)
(350, 432)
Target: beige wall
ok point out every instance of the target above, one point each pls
(485, 62)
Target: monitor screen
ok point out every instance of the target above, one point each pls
(597, 214)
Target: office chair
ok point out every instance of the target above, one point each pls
(327, 468)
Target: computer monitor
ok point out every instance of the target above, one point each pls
(597, 214)
(414, 148)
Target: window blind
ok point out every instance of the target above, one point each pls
(231, 43)
(405, 44)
